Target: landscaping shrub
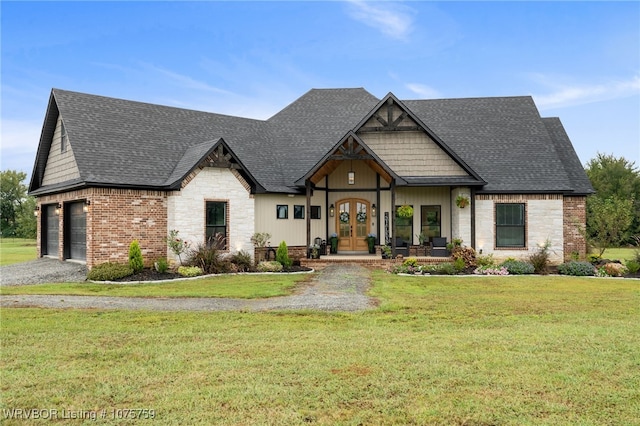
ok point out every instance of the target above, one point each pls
(242, 260)
(466, 254)
(189, 271)
(633, 266)
(578, 269)
(209, 259)
(135, 257)
(410, 261)
(446, 269)
(540, 259)
(518, 267)
(282, 255)
(271, 266)
(176, 244)
(161, 265)
(459, 265)
(109, 272)
(483, 261)
(491, 270)
(612, 270)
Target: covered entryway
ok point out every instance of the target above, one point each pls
(353, 222)
(49, 230)
(75, 235)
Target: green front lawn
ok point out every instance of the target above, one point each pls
(16, 250)
(237, 286)
(439, 350)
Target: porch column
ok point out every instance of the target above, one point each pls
(393, 217)
(308, 215)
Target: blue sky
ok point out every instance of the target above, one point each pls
(579, 60)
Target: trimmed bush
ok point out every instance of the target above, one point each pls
(161, 265)
(484, 261)
(209, 259)
(189, 271)
(271, 266)
(242, 260)
(410, 261)
(109, 272)
(577, 269)
(282, 255)
(633, 266)
(613, 269)
(518, 267)
(135, 257)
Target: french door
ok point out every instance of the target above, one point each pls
(353, 224)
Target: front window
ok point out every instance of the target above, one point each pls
(298, 212)
(510, 225)
(217, 224)
(404, 227)
(430, 221)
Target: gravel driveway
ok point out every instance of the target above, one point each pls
(335, 288)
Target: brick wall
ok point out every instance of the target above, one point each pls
(115, 218)
(574, 224)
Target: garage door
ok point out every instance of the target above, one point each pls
(50, 227)
(76, 232)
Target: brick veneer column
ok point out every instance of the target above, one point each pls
(574, 224)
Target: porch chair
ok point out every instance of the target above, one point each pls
(439, 247)
(402, 247)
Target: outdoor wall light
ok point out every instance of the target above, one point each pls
(35, 211)
(373, 210)
(58, 209)
(85, 208)
(332, 210)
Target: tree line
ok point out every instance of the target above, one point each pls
(613, 212)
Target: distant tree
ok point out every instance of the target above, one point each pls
(616, 180)
(609, 221)
(16, 207)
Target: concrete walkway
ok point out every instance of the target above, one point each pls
(335, 288)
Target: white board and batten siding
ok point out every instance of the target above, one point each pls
(292, 231)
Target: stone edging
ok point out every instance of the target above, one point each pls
(198, 277)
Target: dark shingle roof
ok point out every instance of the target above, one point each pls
(503, 139)
(124, 143)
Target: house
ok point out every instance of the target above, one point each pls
(109, 171)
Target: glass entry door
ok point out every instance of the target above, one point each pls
(353, 224)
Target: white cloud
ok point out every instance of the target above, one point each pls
(423, 91)
(392, 19)
(186, 81)
(564, 95)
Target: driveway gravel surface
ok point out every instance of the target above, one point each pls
(335, 288)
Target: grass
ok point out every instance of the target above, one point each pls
(439, 350)
(621, 253)
(16, 250)
(236, 286)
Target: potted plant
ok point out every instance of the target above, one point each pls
(314, 251)
(333, 241)
(462, 201)
(371, 242)
(423, 238)
(405, 211)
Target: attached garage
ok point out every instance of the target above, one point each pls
(75, 231)
(50, 229)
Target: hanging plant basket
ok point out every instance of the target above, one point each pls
(405, 211)
(462, 201)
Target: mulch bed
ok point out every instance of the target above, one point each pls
(153, 275)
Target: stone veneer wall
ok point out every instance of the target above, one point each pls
(187, 208)
(115, 218)
(574, 224)
(544, 220)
